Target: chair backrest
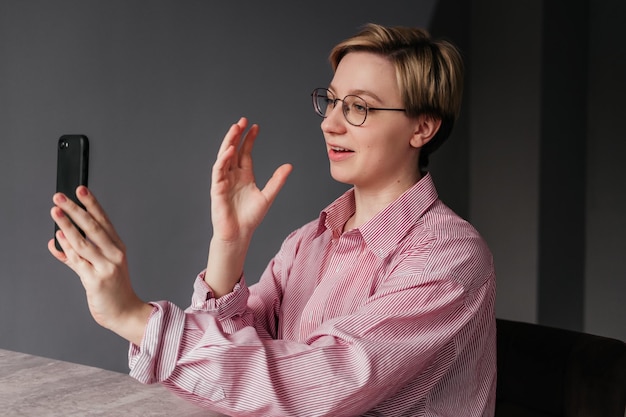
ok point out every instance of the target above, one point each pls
(545, 371)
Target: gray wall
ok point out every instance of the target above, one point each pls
(156, 84)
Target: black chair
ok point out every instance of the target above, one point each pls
(549, 372)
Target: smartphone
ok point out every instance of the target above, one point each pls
(72, 169)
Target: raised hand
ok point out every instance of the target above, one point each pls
(237, 205)
(99, 259)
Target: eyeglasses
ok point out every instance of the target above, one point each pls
(354, 108)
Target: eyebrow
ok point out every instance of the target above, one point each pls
(359, 93)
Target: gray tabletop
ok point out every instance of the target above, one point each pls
(35, 386)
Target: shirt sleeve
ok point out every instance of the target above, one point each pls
(216, 355)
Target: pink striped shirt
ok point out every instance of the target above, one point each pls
(395, 318)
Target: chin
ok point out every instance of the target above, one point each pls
(341, 177)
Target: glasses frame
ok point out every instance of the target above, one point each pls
(344, 107)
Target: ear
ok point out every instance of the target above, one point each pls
(425, 129)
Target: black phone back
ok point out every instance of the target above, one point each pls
(72, 167)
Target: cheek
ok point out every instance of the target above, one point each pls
(387, 147)
(382, 158)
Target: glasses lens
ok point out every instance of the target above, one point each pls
(321, 101)
(355, 110)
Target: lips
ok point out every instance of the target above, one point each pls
(338, 149)
(338, 153)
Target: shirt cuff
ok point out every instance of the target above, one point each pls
(155, 359)
(226, 307)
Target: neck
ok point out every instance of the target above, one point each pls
(369, 202)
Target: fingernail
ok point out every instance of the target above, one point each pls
(61, 198)
(82, 191)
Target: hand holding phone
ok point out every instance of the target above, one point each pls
(104, 272)
(72, 169)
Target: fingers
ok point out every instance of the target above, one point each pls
(243, 143)
(101, 238)
(222, 166)
(61, 214)
(233, 136)
(227, 152)
(94, 208)
(234, 153)
(68, 256)
(53, 250)
(245, 151)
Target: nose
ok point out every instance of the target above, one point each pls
(335, 122)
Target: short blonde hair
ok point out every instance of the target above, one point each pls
(429, 73)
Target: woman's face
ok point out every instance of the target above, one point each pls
(380, 154)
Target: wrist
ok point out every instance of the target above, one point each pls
(132, 323)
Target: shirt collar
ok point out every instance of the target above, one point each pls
(384, 231)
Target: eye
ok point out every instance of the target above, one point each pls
(359, 108)
(356, 105)
(327, 99)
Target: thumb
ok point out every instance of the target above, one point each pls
(276, 182)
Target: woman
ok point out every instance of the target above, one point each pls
(384, 305)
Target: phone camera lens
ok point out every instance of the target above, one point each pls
(64, 144)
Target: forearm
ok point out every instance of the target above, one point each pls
(225, 265)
